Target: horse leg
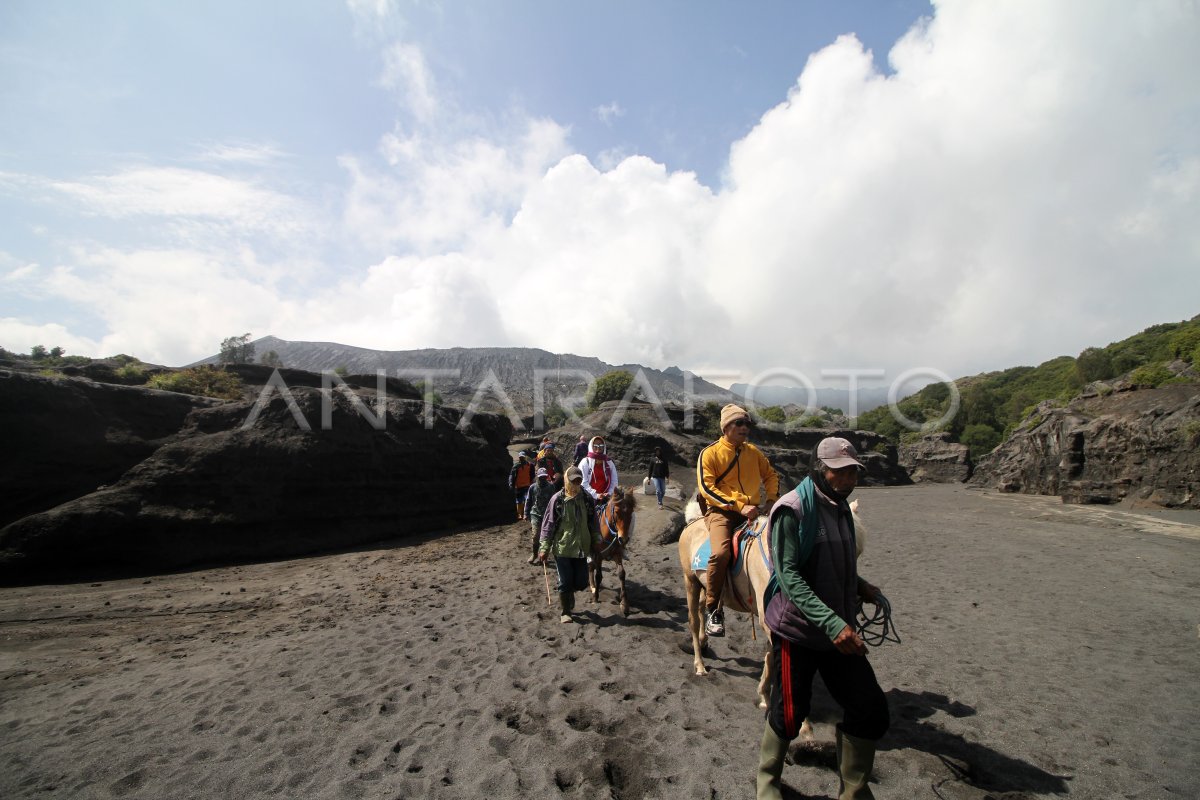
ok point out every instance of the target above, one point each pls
(621, 580)
(695, 622)
(597, 575)
(764, 683)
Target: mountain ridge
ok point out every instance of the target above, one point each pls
(475, 371)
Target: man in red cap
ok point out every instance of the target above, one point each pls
(811, 604)
(730, 476)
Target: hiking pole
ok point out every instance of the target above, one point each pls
(546, 572)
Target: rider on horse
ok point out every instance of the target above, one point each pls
(730, 475)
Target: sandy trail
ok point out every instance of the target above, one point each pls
(1048, 651)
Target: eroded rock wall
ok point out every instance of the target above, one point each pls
(216, 490)
(1132, 446)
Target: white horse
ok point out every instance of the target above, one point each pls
(743, 592)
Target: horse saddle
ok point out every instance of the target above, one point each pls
(743, 537)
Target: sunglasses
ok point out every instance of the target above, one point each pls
(744, 422)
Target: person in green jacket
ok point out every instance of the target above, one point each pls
(810, 608)
(570, 530)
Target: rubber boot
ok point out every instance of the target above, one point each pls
(533, 557)
(770, 764)
(567, 601)
(855, 758)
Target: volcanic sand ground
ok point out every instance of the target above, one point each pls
(1047, 651)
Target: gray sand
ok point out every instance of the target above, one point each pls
(1048, 651)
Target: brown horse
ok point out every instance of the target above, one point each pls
(616, 530)
(743, 592)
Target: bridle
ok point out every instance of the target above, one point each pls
(608, 523)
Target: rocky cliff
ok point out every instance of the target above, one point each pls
(1136, 446)
(936, 459)
(102, 477)
(65, 437)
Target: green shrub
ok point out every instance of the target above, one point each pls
(205, 381)
(1191, 433)
(709, 417)
(812, 421)
(434, 397)
(1151, 375)
(1094, 364)
(555, 416)
(980, 439)
(772, 414)
(610, 386)
(1185, 343)
(132, 373)
(237, 350)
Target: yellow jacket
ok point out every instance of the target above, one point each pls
(740, 486)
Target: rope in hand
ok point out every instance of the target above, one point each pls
(880, 619)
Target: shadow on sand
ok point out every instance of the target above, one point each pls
(970, 763)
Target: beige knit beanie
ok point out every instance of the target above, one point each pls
(731, 412)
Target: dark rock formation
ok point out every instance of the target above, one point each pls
(211, 488)
(64, 437)
(936, 459)
(1137, 446)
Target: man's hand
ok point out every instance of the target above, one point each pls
(542, 556)
(751, 513)
(850, 643)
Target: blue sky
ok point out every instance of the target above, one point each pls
(810, 186)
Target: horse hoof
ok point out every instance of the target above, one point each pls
(701, 671)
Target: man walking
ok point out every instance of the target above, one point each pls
(520, 478)
(811, 604)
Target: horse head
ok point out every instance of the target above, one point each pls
(618, 514)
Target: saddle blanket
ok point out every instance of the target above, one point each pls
(741, 537)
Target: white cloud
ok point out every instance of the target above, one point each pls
(1025, 183)
(608, 112)
(372, 17)
(406, 73)
(255, 153)
(440, 194)
(183, 193)
(168, 306)
(20, 274)
(19, 336)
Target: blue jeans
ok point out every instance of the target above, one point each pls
(660, 487)
(572, 573)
